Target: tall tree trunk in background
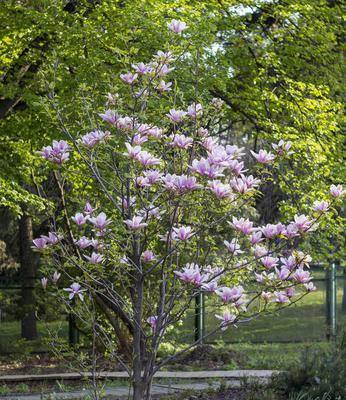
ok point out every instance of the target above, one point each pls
(344, 293)
(28, 264)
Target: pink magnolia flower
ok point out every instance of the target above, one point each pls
(203, 167)
(88, 208)
(216, 102)
(83, 242)
(195, 110)
(233, 247)
(176, 115)
(181, 141)
(56, 276)
(164, 56)
(227, 319)
(269, 231)
(291, 231)
(155, 132)
(191, 273)
(337, 190)
(129, 77)
(52, 238)
(210, 286)
(75, 289)
(202, 132)
(266, 296)
(124, 123)
(209, 143)
(44, 283)
(230, 294)
(321, 206)
(180, 183)
(136, 223)
(269, 262)
(290, 263)
(255, 238)
(95, 258)
(242, 225)
(302, 276)
(148, 256)
(183, 233)
(282, 273)
(281, 297)
(302, 222)
(290, 291)
(260, 251)
(100, 221)
(139, 139)
(220, 189)
(234, 151)
(282, 147)
(58, 153)
(237, 168)
(152, 321)
(263, 156)
(153, 176)
(164, 86)
(147, 159)
(142, 69)
(132, 152)
(163, 70)
(177, 26)
(142, 181)
(310, 287)
(79, 219)
(110, 116)
(91, 139)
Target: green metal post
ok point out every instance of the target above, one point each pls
(73, 332)
(199, 317)
(331, 301)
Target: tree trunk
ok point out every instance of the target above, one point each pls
(343, 307)
(28, 263)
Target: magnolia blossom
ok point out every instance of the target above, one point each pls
(302, 222)
(202, 132)
(233, 246)
(255, 238)
(52, 238)
(209, 143)
(291, 231)
(217, 102)
(227, 318)
(242, 225)
(195, 110)
(220, 189)
(282, 147)
(129, 77)
(152, 321)
(110, 116)
(147, 159)
(183, 233)
(191, 273)
(281, 297)
(269, 262)
(176, 115)
(88, 208)
(56, 276)
(290, 262)
(230, 294)
(79, 219)
(163, 70)
(210, 285)
(142, 69)
(132, 151)
(310, 287)
(263, 156)
(100, 222)
(302, 276)
(181, 141)
(135, 223)
(260, 251)
(203, 167)
(44, 283)
(75, 289)
(337, 190)
(269, 231)
(177, 26)
(95, 258)
(181, 183)
(124, 123)
(164, 86)
(95, 137)
(290, 291)
(320, 206)
(83, 242)
(282, 273)
(266, 296)
(58, 153)
(148, 256)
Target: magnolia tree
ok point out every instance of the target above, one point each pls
(173, 219)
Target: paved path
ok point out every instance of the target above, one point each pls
(235, 374)
(231, 378)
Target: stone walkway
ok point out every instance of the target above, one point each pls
(231, 378)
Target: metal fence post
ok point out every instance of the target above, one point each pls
(199, 317)
(331, 301)
(73, 332)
